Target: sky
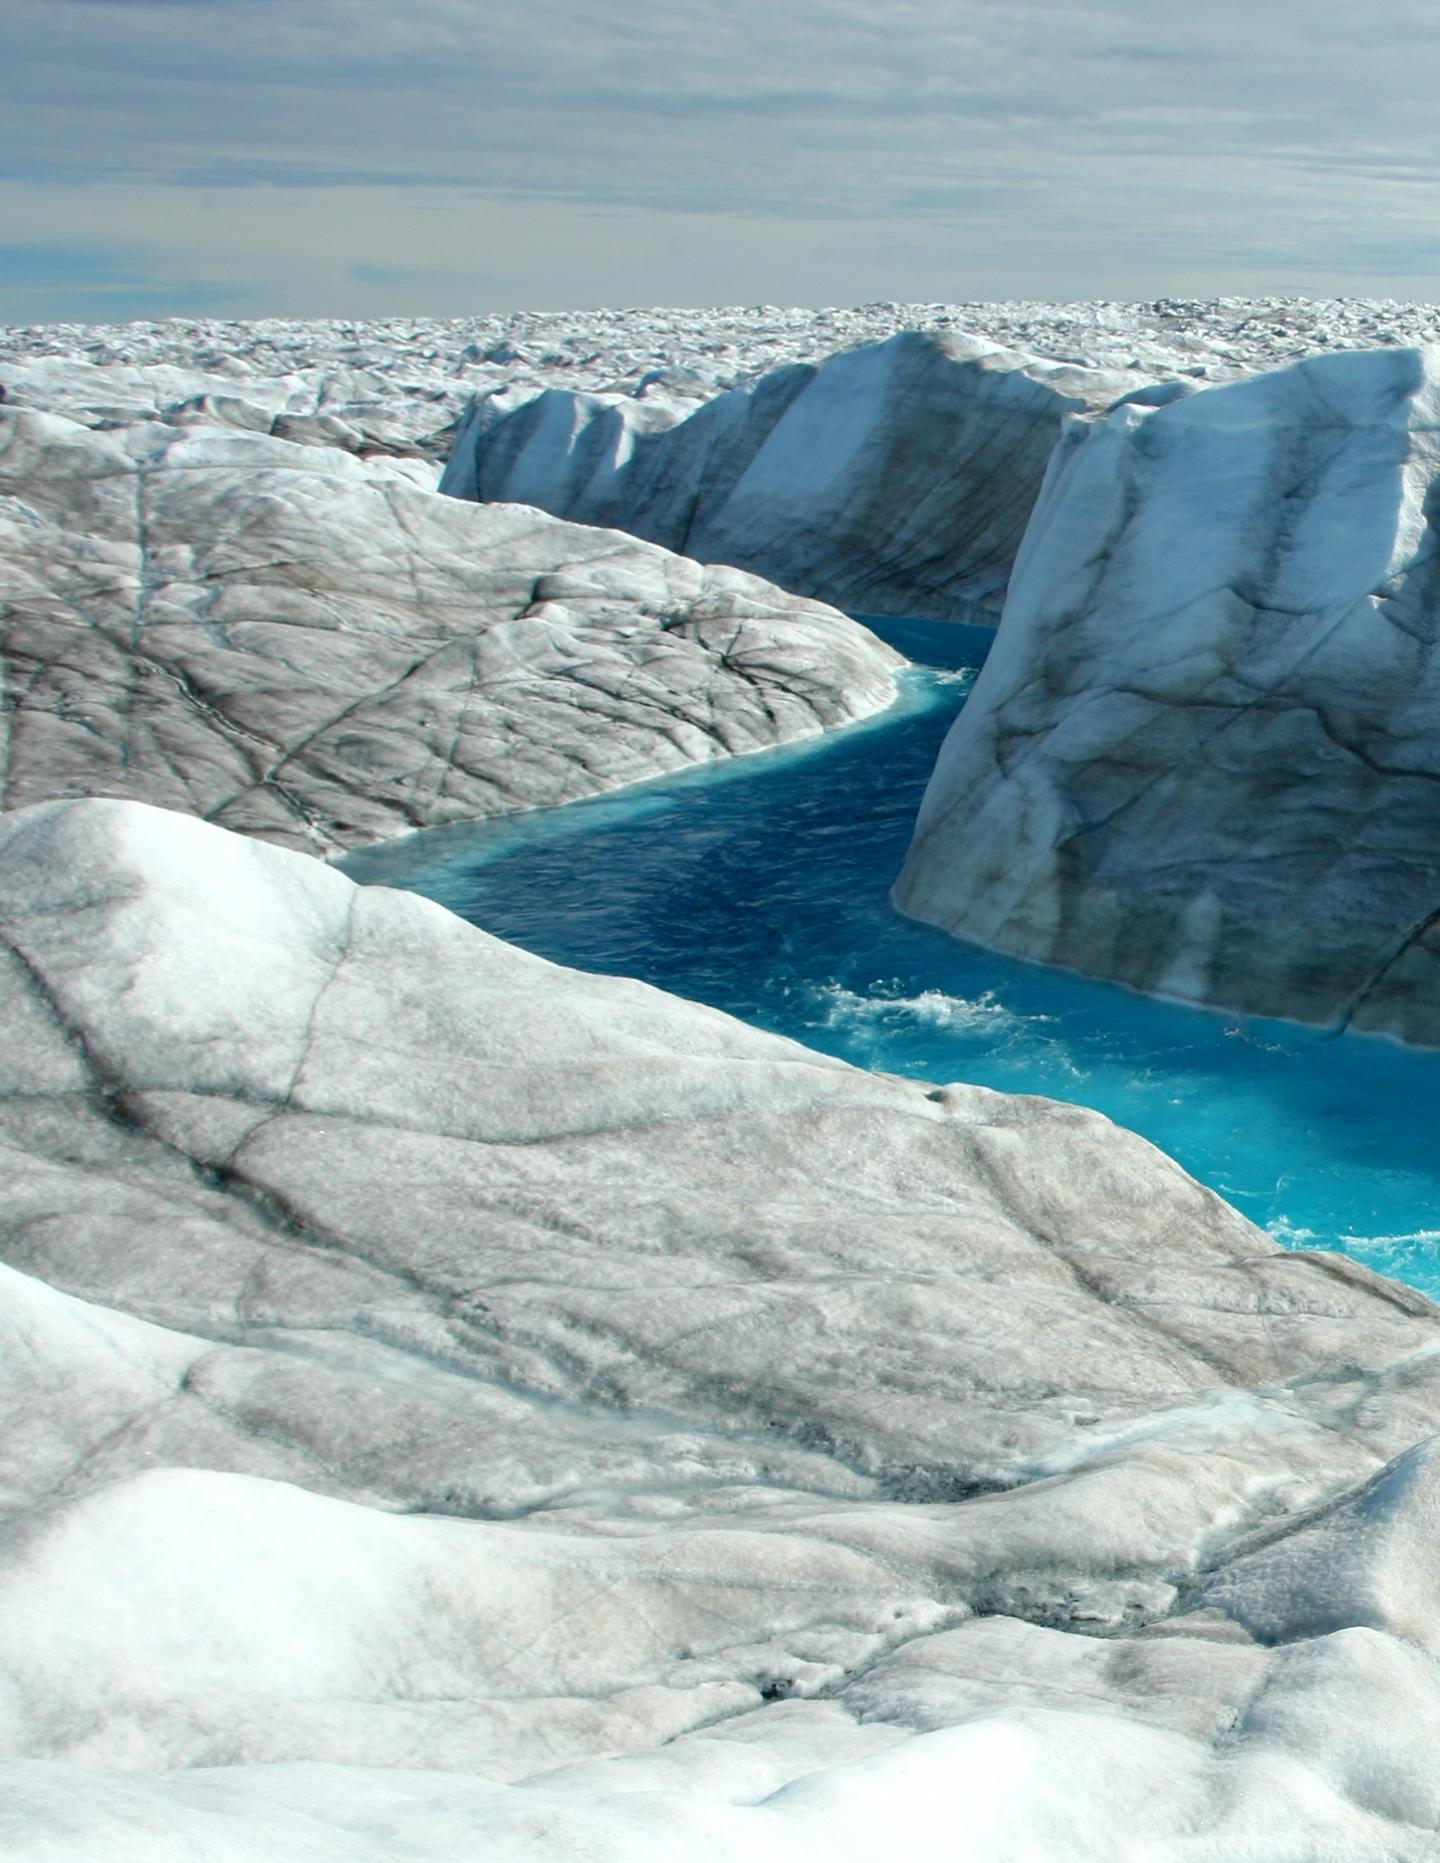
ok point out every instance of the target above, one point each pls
(246, 158)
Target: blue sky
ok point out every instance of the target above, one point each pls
(334, 157)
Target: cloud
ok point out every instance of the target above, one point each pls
(406, 276)
(43, 282)
(1091, 147)
(747, 107)
(38, 267)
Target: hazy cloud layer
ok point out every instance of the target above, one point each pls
(960, 148)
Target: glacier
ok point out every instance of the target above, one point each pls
(456, 1402)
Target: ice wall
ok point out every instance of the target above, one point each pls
(1202, 757)
(893, 478)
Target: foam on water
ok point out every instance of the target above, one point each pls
(762, 886)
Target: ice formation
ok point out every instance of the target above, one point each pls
(407, 379)
(895, 478)
(422, 1357)
(300, 644)
(1201, 758)
(455, 1404)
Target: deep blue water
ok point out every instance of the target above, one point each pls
(762, 887)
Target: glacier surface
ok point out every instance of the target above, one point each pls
(462, 1401)
(457, 1404)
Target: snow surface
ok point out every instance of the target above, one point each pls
(460, 1404)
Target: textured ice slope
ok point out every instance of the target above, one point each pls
(1202, 756)
(296, 643)
(896, 478)
(680, 1439)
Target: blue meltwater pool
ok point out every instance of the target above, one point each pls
(762, 887)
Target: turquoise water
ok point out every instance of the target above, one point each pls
(762, 887)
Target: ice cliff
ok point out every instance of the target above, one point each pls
(893, 478)
(1202, 756)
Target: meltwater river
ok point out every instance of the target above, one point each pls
(762, 886)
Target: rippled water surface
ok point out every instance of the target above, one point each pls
(763, 887)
